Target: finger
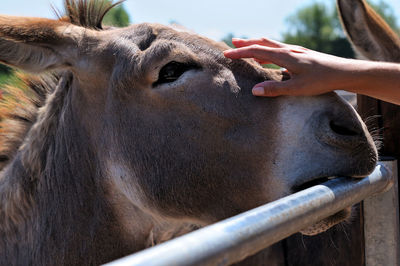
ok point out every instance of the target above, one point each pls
(239, 43)
(298, 49)
(261, 62)
(271, 89)
(262, 41)
(277, 56)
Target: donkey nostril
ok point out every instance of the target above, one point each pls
(342, 129)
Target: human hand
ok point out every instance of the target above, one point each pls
(311, 72)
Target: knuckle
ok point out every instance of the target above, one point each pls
(286, 91)
(254, 47)
(270, 91)
(300, 47)
(283, 52)
(297, 49)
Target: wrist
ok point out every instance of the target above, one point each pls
(360, 76)
(369, 76)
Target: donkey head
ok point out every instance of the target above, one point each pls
(173, 122)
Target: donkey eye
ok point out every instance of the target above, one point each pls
(172, 71)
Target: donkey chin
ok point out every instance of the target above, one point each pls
(328, 222)
(367, 159)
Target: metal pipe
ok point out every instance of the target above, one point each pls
(236, 238)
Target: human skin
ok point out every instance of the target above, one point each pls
(313, 73)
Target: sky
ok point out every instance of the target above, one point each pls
(212, 18)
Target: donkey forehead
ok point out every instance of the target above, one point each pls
(148, 43)
(140, 51)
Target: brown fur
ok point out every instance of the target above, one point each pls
(18, 111)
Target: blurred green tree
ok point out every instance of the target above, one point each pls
(117, 17)
(5, 74)
(387, 13)
(228, 40)
(318, 27)
(5, 69)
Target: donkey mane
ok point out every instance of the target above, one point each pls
(87, 13)
(20, 102)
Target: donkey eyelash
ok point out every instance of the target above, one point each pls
(173, 71)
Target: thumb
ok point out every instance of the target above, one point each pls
(270, 88)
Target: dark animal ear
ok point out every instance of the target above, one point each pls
(370, 35)
(36, 45)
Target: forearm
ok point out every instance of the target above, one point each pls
(375, 79)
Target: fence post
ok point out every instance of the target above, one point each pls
(381, 224)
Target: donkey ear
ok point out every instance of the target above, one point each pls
(370, 35)
(36, 45)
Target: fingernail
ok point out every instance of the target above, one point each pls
(258, 91)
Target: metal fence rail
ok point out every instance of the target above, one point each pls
(234, 239)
